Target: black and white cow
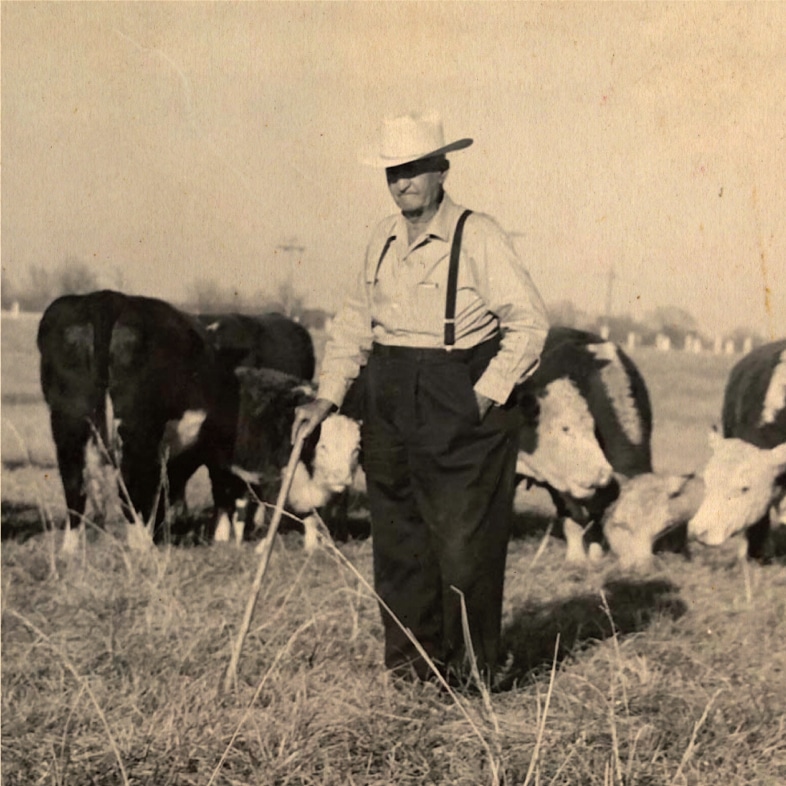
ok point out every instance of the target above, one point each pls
(327, 463)
(745, 478)
(138, 363)
(587, 426)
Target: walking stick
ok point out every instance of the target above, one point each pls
(230, 678)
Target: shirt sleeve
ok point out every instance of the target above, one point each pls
(348, 345)
(505, 286)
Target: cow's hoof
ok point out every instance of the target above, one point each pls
(595, 552)
(222, 529)
(70, 542)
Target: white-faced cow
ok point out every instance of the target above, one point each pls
(652, 510)
(745, 478)
(587, 424)
(147, 366)
(327, 463)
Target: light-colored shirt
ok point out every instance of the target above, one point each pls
(401, 301)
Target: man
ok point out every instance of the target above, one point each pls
(440, 440)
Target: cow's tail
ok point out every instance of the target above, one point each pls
(104, 318)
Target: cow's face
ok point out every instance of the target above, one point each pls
(648, 505)
(567, 455)
(740, 486)
(336, 453)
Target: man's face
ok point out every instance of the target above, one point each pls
(415, 187)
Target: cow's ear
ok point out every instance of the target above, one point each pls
(714, 438)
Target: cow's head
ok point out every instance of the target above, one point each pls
(331, 468)
(336, 453)
(648, 506)
(558, 445)
(741, 482)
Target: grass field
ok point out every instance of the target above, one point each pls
(112, 660)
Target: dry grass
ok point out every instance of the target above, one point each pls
(668, 678)
(112, 660)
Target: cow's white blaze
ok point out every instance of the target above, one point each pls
(616, 381)
(775, 398)
(740, 488)
(182, 434)
(567, 456)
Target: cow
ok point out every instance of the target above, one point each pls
(328, 460)
(651, 511)
(109, 358)
(745, 477)
(586, 427)
(261, 341)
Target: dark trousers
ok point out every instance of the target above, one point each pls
(440, 487)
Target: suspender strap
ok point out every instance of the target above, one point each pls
(382, 255)
(450, 297)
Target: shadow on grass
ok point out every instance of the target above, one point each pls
(19, 521)
(582, 621)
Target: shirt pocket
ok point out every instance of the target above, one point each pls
(430, 307)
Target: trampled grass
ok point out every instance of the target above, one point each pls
(112, 662)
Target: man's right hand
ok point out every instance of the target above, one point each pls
(309, 416)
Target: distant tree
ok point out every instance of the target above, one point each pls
(672, 321)
(75, 278)
(9, 293)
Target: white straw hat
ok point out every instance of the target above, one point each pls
(409, 138)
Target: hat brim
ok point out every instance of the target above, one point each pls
(381, 162)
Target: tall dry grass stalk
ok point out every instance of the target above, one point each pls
(230, 678)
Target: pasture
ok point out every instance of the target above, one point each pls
(112, 660)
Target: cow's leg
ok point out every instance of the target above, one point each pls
(71, 435)
(310, 535)
(227, 490)
(141, 471)
(574, 537)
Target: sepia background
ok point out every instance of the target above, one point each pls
(634, 151)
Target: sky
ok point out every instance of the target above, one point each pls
(171, 144)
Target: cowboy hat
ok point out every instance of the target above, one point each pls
(409, 138)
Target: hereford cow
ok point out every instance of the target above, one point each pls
(652, 511)
(587, 425)
(148, 367)
(327, 463)
(745, 478)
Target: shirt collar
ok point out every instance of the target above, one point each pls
(441, 226)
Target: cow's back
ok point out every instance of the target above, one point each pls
(262, 341)
(754, 401)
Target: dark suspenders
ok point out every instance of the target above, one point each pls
(450, 295)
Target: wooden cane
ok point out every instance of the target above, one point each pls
(230, 678)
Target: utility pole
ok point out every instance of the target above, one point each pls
(609, 291)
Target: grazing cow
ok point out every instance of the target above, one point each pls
(262, 341)
(327, 463)
(147, 366)
(745, 477)
(651, 509)
(587, 424)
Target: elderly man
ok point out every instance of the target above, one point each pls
(446, 321)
